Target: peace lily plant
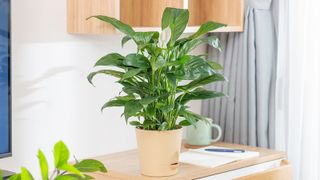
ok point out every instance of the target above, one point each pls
(154, 90)
(159, 79)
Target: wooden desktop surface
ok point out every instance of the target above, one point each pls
(125, 165)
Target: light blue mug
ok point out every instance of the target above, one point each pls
(201, 134)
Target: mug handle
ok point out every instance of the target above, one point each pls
(219, 132)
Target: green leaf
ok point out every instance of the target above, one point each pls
(113, 73)
(142, 38)
(203, 81)
(61, 154)
(172, 79)
(125, 28)
(185, 123)
(148, 100)
(136, 60)
(196, 68)
(205, 28)
(198, 94)
(114, 103)
(191, 44)
(189, 117)
(163, 126)
(15, 177)
(131, 73)
(131, 108)
(135, 123)
(43, 165)
(166, 108)
(214, 42)
(125, 39)
(90, 165)
(25, 174)
(71, 169)
(113, 59)
(177, 19)
(148, 123)
(215, 66)
(126, 98)
(160, 62)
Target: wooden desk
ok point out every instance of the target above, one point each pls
(125, 165)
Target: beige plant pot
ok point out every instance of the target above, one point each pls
(159, 151)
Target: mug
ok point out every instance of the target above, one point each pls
(201, 133)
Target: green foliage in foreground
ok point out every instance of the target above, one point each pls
(161, 77)
(63, 170)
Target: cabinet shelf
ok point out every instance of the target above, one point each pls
(145, 15)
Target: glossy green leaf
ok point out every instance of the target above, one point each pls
(148, 100)
(113, 59)
(203, 81)
(61, 154)
(205, 28)
(71, 169)
(90, 165)
(114, 103)
(189, 117)
(198, 94)
(125, 39)
(159, 63)
(113, 73)
(136, 60)
(43, 165)
(172, 79)
(144, 37)
(131, 108)
(177, 20)
(131, 73)
(214, 42)
(163, 126)
(135, 123)
(215, 66)
(25, 174)
(185, 123)
(196, 68)
(126, 29)
(126, 98)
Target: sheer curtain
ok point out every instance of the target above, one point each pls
(298, 86)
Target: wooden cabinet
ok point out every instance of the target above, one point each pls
(146, 15)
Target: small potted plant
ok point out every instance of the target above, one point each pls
(158, 81)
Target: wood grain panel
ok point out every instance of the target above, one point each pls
(145, 13)
(229, 12)
(79, 10)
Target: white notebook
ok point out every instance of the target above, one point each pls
(200, 157)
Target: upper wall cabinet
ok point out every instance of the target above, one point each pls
(146, 14)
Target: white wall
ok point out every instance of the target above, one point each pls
(52, 99)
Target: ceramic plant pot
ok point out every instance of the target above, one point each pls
(159, 151)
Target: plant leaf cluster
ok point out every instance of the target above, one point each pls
(161, 77)
(63, 170)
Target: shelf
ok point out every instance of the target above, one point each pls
(228, 12)
(79, 10)
(145, 15)
(148, 13)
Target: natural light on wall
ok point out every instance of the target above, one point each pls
(298, 87)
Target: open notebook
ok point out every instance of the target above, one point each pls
(200, 157)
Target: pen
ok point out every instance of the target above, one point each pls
(226, 150)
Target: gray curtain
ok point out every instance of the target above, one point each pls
(246, 116)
